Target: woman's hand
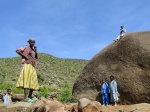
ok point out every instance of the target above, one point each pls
(35, 48)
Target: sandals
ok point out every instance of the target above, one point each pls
(28, 100)
(34, 99)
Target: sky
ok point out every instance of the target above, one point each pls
(77, 29)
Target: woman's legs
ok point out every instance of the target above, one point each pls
(25, 93)
(30, 93)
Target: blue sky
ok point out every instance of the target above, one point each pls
(68, 28)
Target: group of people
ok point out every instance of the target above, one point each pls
(109, 91)
(28, 77)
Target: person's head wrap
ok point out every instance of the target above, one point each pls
(31, 39)
(122, 26)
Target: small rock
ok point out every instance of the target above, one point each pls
(38, 106)
(17, 97)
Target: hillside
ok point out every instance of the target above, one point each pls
(51, 70)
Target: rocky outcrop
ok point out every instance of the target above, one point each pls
(83, 105)
(143, 107)
(17, 107)
(43, 105)
(128, 60)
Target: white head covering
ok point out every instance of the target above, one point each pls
(31, 39)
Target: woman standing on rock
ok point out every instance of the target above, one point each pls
(28, 77)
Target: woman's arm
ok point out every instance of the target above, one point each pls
(20, 52)
(35, 50)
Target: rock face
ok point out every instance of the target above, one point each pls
(18, 107)
(83, 105)
(128, 60)
(43, 105)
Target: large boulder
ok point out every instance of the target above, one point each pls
(128, 60)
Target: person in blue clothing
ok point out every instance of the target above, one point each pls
(113, 91)
(104, 92)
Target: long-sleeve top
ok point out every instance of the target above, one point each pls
(105, 88)
(7, 99)
(28, 52)
(113, 87)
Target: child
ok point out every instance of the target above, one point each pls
(104, 92)
(7, 97)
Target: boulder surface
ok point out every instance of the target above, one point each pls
(128, 60)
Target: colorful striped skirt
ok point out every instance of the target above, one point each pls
(28, 78)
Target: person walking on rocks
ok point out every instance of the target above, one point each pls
(104, 92)
(28, 77)
(113, 91)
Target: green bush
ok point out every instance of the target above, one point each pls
(5, 86)
(2, 78)
(43, 91)
(66, 96)
(17, 90)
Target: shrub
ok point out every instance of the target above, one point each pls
(66, 96)
(43, 91)
(5, 86)
(2, 78)
(17, 90)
